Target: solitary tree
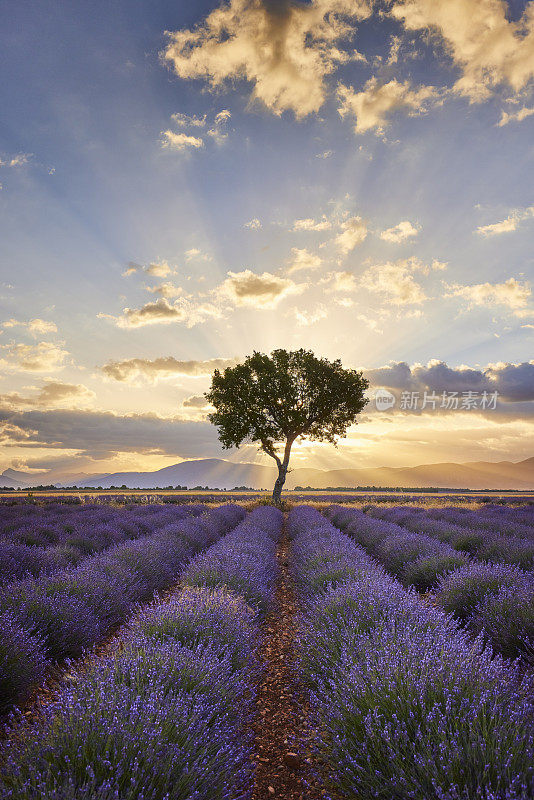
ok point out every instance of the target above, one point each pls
(274, 400)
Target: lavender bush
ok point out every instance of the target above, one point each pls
(73, 610)
(506, 619)
(244, 561)
(459, 592)
(198, 614)
(65, 623)
(166, 715)
(460, 584)
(425, 572)
(407, 705)
(154, 723)
(34, 540)
(494, 519)
(415, 558)
(467, 532)
(22, 662)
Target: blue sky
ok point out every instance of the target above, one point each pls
(347, 176)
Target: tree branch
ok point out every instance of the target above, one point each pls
(268, 448)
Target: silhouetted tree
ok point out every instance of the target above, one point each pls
(274, 400)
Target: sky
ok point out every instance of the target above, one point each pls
(183, 183)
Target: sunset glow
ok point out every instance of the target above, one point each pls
(183, 183)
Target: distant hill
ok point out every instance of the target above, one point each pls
(472, 475)
(216, 473)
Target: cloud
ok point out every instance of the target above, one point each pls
(244, 288)
(513, 382)
(396, 282)
(19, 160)
(180, 141)
(222, 117)
(135, 369)
(162, 312)
(263, 291)
(166, 290)
(354, 232)
(506, 225)
(42, 357)
(104, 434)
(187, 141)
(489, 48)
(185, 121)
(151, 313)
(341, 282)
(285, 49)
(377, 101)
(394, 50)
(511, 293)
(253, 224)
(218, 131)
(37, 326)
(195, 254)
(302, 259)
(306, 318)
(400, 232)
(310, 224)
(516, 116)
(196, 402)
(53, 394)
(158, 268)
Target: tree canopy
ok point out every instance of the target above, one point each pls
(274, 400)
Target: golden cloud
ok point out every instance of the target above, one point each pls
(506, 225)
(489, 48)
(134, 369)
(261, 291)
(400, 232)
(54, 394)
(285, 49)
(373, 105)
(511, 293)
(41, 357)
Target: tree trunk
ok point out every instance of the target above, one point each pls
(277, 491)
(282, 472)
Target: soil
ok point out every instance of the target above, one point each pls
(284, 761)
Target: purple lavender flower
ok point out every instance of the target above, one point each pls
(506, 619)
(461, 590)
(22, 662)
(406, 704)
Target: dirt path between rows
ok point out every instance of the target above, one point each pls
(283, 757)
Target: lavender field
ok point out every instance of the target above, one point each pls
(157, 651)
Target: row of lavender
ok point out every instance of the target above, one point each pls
(482, 539)
(43, 524)
(406, 705)
(505, 520)
(165, 714)
(38, 539)
(496, 600)
(47, 619)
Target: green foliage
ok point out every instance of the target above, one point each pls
(283, 397)
(283, 505)
(269, 399)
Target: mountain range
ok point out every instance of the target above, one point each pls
(216, 473)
